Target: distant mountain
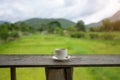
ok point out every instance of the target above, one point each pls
(113, 18)
(2, 22)
(37, 22)
(94, 24)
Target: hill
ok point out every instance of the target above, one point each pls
(113, 18)
(94, 24)
(1, 22)
(38, 22)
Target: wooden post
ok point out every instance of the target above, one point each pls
(13, 73)
(59, 73)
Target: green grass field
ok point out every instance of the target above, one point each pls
(45, 44)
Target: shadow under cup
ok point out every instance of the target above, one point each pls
(60, 53)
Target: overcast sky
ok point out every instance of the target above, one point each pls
(86, 10)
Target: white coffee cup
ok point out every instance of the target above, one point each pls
(60, 53)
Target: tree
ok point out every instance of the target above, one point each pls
(107, 25)
(43, 27)
(80, 26)
(24, 27)
(4, 31)
(92, 29)
(15, 27)
(116, 25)
(53, 26)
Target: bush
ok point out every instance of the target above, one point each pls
(93, 35)
(4, 32)
(108, 36)
(77, 34)
(14, 34)
(4, 36)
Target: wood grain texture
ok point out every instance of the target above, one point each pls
(59, 73)
(47, 61)
(69, 73)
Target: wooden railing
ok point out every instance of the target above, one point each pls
(57, 70)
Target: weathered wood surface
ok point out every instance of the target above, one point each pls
(47, 61)
(13, 73)
(65, 73)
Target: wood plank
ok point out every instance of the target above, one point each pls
(13, 73)
(69, 73)
(47, 61)
(59, 73)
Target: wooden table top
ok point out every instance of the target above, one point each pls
(88, 60)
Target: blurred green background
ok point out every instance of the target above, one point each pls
(45, 44)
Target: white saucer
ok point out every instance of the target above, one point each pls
(64, 59)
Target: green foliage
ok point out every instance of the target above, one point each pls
(96, 29)
(12, 31)
(14, 34)
(77, 34)
(51, 27)
(116, 25)
(94, 36)
(13, 26)
(103, 36)
(54, 26)
(4, 32)
(92, 29)
(24, 27)
(71, 29)
(107, 26)
(108, 36)
(80, 26)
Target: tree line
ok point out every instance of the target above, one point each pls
(12, 31)
(106, 26)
